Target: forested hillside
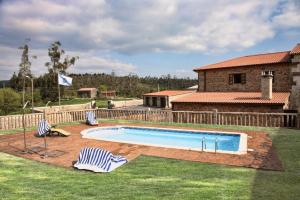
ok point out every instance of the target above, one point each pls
(4, 84)
(131, 85)
(127, 86)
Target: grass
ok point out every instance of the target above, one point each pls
(158, 178)
(101, 103)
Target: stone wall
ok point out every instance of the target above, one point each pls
(223, 107)
(295, 93)
(128, 103)
(74, 107)
(216, 80)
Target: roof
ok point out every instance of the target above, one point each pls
(194, 87)
(259, 59)
(296, 49)
(86, 89)
(168, 93)
(233, 97)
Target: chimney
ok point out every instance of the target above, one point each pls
(266, 85)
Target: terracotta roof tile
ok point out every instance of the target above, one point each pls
(233, 97)
(259, 59)
(296, 49)
(169, 93)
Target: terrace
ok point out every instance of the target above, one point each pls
(155, 172)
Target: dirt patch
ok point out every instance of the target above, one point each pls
(263, 156)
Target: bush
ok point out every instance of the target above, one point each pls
(36, 97)
(9, 101)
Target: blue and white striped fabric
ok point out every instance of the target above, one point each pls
(43, 127)
(98, 160)
(90, 118)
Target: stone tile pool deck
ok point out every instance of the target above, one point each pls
(263, 155)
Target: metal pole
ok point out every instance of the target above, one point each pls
(58, 89)
(23, 95)
(24, 130)
(45, 140)
(32, 101)
(216, 145)
(24, 127)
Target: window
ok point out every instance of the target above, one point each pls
(237, 78)
(271, 72)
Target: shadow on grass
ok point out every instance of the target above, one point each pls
(282, 184)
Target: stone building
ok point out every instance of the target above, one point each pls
(163, 99)
(257, 83)
(87, 93)
(295, 91)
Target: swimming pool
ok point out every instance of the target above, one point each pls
(210, 141)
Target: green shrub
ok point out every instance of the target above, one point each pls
(9, 101)
(36, 97)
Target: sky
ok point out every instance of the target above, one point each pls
(145, 37)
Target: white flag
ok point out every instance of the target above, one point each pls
(64, 80)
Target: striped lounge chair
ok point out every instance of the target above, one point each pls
(98, 160)
(91, 119)
(44, 128)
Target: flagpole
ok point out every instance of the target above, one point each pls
(58, 88)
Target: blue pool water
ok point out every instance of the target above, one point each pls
(166, 137)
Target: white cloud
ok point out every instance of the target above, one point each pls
(141, 26)
(88, 62)
(183, 73)
(289, 16)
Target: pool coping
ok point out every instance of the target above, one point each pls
(243, 147)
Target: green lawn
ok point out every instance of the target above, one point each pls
(158, 178)
(101, 103)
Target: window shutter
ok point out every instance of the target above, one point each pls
(230, 79)
(243, 78)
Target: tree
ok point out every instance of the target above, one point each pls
(55, 52)
(14, 82)
(24, 69)
(58, 64)
(9, 101)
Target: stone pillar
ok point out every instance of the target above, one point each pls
(144, 100)
(215, 116)
(266, 85)
(298, 120)
(150, 101)
(158, 102)
(168, 103)
(295, 92)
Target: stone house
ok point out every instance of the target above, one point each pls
(257, 83)
(87, 93)
(163, 99)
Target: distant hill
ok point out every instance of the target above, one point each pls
(4, 83)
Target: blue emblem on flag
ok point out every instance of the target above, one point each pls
(64, 80)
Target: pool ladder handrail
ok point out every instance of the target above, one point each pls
(216, 145)
(203, 146)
